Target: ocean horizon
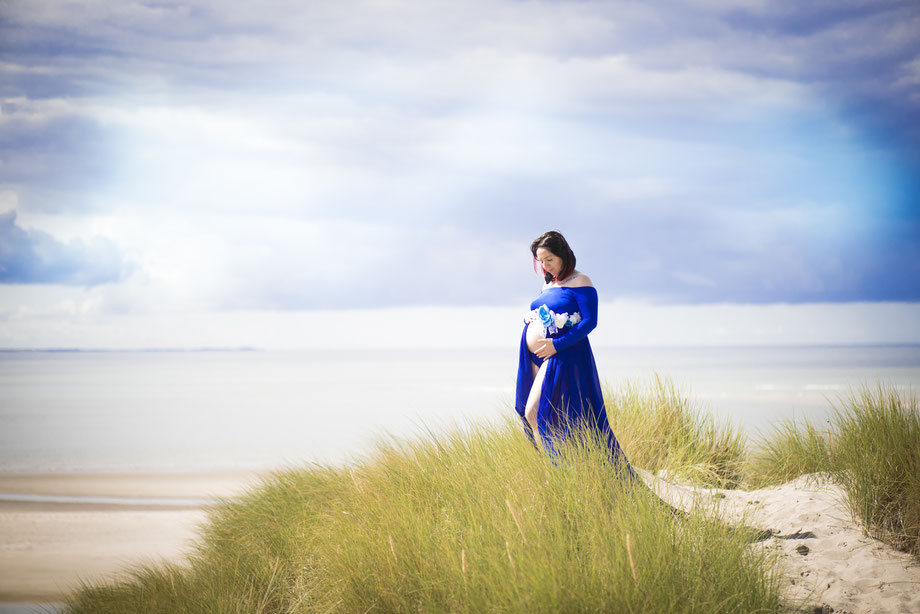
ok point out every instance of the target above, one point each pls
(71, 410)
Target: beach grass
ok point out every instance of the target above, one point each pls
(661, 429)
(479, 519)
(476, 519)
(876, 457)
(871, 447)
(791, 449)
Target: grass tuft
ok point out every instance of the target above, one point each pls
(872, 448)
(790, 450)
(876, 456)
(660, 428)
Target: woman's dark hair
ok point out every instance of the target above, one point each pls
(556, 243)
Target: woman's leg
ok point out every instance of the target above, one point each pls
(533, 398)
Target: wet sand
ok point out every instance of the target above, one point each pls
(68, 528)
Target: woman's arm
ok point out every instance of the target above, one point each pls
(586, 298)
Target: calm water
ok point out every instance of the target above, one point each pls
(151, 411)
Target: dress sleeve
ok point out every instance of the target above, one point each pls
(586, 298)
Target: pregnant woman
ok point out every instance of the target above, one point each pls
(557, 383)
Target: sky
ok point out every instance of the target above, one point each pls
(354, 173)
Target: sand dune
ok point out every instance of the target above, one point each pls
(828, 561)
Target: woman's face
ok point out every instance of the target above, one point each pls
(552, 263)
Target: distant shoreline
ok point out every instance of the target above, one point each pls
(247, 349)
(138, 350)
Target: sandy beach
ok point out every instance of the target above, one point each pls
(70, 527)
(47, 548)
(828, 563)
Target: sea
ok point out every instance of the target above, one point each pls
(191, 411)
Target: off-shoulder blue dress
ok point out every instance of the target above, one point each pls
(571, 392)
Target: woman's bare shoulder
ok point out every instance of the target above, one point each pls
(579, 280)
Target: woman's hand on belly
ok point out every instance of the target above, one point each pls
(545, 349)
(537, 343)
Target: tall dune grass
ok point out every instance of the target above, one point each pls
(791, 449)
(871, 447)
(470, 521)
(660, 428)
(480, 520)
(876, 456)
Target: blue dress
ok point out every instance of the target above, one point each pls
(571, 390)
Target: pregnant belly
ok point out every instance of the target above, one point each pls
(535, 335)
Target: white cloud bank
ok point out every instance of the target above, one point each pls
(76, 324)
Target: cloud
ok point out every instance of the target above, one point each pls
(860, 56)
(35, 257)
(302, 155)
(55, 152)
